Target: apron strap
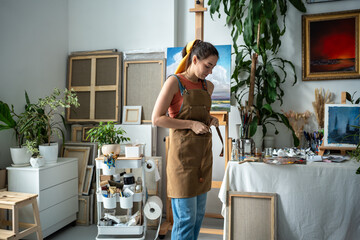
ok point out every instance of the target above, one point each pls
(222, 141)
(181, 86)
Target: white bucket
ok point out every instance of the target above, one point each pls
(126, 202)
(108, 171)
(109, 202)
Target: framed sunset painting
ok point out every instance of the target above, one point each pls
(330, 46)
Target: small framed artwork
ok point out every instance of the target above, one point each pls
(85, 133)
(132, 115)
(339, 130)
(76, 133)
(330, 46)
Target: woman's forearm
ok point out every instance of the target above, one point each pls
(168, 122)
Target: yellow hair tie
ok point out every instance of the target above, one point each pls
(183, 61)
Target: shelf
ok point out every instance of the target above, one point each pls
(121, 230)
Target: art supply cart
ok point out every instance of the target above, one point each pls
(119, 206)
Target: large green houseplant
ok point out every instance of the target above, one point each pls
(45, 118)
(258, 71)
(10, 120)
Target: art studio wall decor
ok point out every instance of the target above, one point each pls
(330, 46)
(339, 130)
(96, 79)
(220, 76)
(131, 115)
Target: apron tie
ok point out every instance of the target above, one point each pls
(222, 141)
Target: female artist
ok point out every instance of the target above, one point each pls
(186, 96)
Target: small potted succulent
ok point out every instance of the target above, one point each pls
(36, 159)
(108, 137)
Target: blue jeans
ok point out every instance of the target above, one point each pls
(188, 214)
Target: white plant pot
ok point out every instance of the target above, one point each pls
(37, 162)
(20, 156)
(49, 153)
(111, 148)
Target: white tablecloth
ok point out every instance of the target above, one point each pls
(315, 201)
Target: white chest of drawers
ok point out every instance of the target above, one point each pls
(57, 189)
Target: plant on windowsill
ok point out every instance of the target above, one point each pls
(258, 71)
(108, 137)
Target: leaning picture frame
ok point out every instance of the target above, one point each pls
(88, 179)
(339, 130)
(82, 154)
(330, 46)
(131, 115)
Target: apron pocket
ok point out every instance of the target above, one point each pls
(192, 151)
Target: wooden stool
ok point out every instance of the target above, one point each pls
(13, 201)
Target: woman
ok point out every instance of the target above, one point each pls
(186, 97)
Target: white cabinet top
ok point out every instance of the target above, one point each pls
(59, 162)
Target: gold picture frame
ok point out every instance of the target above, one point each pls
(330, 46)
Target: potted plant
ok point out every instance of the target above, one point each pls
(36, 159)
(10, 120)
(43, 119)
(108, 137)
(259, 72)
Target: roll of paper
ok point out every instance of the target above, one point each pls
(153, 208)
(150, 165)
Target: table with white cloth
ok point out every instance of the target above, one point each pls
(315, 201)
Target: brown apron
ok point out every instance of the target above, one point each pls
(189, 165)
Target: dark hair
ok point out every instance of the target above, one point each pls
(201, 50)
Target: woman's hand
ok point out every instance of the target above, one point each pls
(214, 121)
(199, 127)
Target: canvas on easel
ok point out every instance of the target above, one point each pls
(339, 133)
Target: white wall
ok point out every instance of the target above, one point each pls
(122, 24)
(33, 52)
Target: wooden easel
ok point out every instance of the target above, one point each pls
(342, 150)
